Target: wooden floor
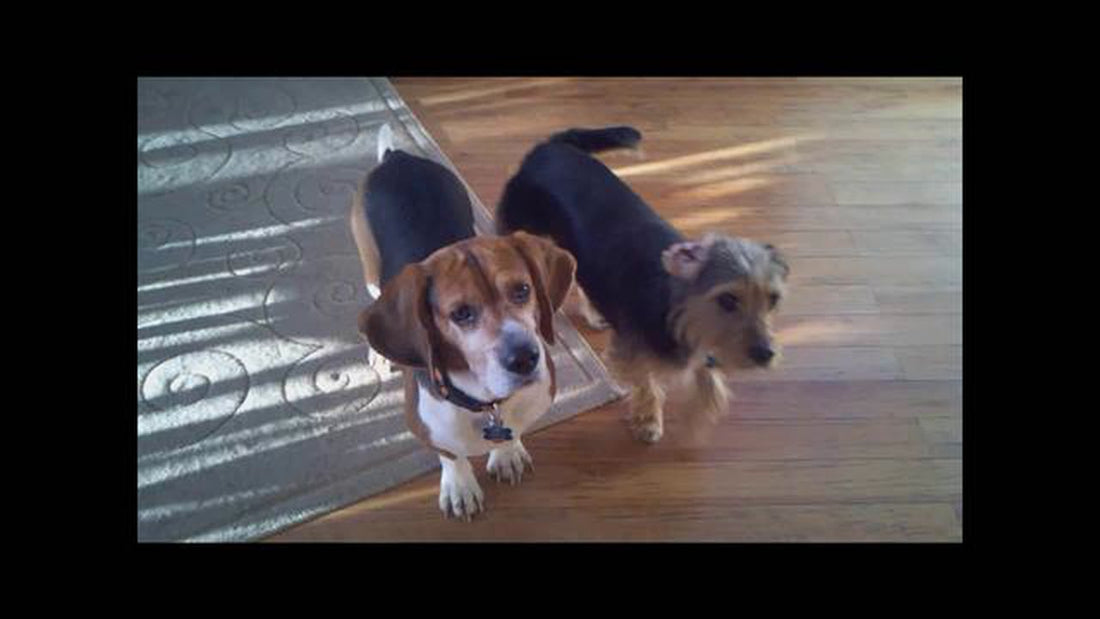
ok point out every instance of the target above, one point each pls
(858, 436)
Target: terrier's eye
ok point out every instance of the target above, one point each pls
(727, 301)
(463, 315)
(520, 293)
(773, 299)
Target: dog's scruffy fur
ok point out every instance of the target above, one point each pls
(688, 309)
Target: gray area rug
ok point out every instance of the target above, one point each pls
(258, 405)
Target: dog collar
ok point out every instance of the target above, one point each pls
(440, 384)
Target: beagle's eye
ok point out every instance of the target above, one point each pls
(519, 294)
(727, 301)
(463, 315)
(773, 300)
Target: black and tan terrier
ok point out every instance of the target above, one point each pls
(687, 309)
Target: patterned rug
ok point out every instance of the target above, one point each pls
(258, 407)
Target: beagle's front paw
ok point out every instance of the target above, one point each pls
(459, 493)
(508, 462)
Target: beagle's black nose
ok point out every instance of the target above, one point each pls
(522, 358)
(761, 354)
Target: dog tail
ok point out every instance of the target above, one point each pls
(385, 142)
(597, 140)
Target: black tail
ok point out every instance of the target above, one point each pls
(596, 140)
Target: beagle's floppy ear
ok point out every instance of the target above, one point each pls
(398, 325)
(552, 269)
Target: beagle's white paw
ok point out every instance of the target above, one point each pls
(459, 493)
(508, 462)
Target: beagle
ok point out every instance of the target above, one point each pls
(680, 308)
(466, 318)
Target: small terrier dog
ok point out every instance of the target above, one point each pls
(687, 309)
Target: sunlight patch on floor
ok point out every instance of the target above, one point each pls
(752, 148)
(477, 93)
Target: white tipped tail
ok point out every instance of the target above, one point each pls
(385, 141)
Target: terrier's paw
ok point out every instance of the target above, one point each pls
(647, 430)
(459, 494)
(507, 463)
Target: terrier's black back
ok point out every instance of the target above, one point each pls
(566, 194)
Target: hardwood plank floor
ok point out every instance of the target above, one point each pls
(857, 436)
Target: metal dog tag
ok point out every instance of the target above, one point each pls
(495, 431)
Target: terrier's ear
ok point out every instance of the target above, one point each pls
(684, 260)
(778, 260)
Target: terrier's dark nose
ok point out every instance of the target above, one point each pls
(522, 359)
(761, 353)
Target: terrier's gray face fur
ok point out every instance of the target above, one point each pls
(725, 292)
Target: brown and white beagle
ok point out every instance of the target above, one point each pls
(466, 318)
